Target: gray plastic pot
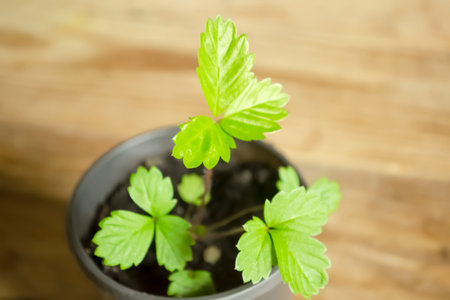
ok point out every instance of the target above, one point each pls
(109, 170)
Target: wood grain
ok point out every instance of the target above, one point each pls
(370, 107)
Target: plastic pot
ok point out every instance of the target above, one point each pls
(109, 170)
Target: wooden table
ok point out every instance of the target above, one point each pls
(370, 108)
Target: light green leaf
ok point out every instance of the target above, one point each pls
(202, 141)
(190, 283)
(151, 192)
(256, 111)
(173, 242)
(124, 238)
(292, 218)
(192, 188)
(288, 179)
(301, 261)
(329, 193)
(296, 210)
(255, 251)
(224, 64)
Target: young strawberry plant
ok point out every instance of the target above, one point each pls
(243, 108)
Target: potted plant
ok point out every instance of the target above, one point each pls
(247, 218)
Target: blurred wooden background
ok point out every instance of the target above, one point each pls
(370, 107)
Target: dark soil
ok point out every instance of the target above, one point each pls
(235, 187)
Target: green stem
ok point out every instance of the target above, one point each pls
(213, 236)
(207, 179)
(237, 215)
(188, 213)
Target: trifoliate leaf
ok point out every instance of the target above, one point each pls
(329, 193)
(288, 179)
(190, 283)
(255, 256)
(224, 64)
(202, 141)
(301, 261)
(296, 210)
(173, 242)
(124, 238)
(192, 188)
(292, 219)
(256, 111)
(151, 192)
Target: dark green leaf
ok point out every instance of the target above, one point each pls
(199, 230)
(190, 283)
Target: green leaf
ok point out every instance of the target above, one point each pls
(329, 193)
(292, 218)
(296, 210)
(199, 230)
(192, 188)
(151, 192)
(224, 64)
(202, 141)
(190, 283)
(173, 242)
(288, 179)
(255, 251)
(124, 238)
(256, 111)
(301, 261)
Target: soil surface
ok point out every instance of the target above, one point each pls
(234, 187)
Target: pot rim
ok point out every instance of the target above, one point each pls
(104, 281)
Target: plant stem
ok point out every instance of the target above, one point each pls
(218, 235)
(188, 213)
(237, 215)
(207, 180)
